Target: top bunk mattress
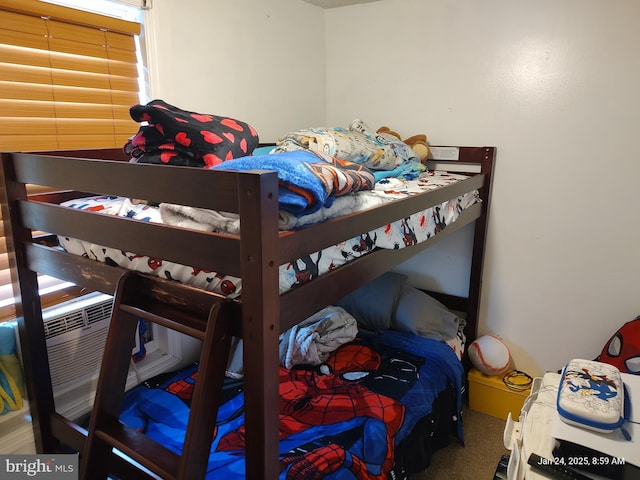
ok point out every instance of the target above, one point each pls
(408, 231)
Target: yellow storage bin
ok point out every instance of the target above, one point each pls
(488, 394)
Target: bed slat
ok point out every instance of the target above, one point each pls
(216, 190)
(187, 247)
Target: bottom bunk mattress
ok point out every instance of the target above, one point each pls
(376, 408)
(403, 233)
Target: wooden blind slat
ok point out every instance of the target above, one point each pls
(65, 126)
(120, 41)
(22, 39)
(94, 95)
(21, 91)
(71, 78)
(69, 142)
(80, 142)
(16, 91)
(122, 97)
(80, 64)
(92, 72)
(93, 80)
(78, 34)
(28, 108)
(11, 55)
(29, 126)
(122, 55)
(62, 45)
(74, 126)
(25, 75)
(16, 143)
(10, 126)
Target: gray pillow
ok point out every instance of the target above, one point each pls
(418, 313)
(373, 304)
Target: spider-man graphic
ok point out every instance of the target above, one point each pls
(408, 235)
(348, 396)
(310, 270)
(622, 350)
(366, 243)
(441, 224)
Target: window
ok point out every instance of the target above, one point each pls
(67, 80)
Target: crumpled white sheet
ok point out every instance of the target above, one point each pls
(225, 222)
(310, 342)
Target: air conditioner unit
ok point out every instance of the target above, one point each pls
(76, 333)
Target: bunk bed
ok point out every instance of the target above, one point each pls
(258, 316)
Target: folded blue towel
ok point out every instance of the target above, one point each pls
(307, 181)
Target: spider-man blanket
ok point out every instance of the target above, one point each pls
(338, 421)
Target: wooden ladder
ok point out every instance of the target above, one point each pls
(188, 310)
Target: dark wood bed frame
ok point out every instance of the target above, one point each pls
(254, 256)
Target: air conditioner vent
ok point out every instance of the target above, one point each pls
(63, 324)
(99, 312)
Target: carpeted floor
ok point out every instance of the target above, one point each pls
(477, 459)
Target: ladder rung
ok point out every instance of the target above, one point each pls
(160, 460)
(187, 325)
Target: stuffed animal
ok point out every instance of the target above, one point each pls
(417, 142)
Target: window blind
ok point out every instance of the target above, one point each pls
(67, 77)
(67, 80)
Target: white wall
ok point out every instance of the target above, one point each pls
(262, 62)
(554, 85)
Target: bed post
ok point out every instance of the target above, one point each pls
(28, 312)
(479, 240)
(258, 198)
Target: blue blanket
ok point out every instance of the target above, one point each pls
(343, 424)
(307, 181)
